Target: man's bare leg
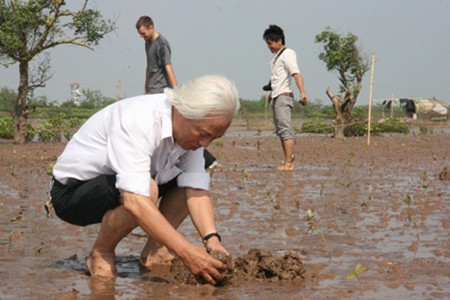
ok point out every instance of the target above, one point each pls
(116, 224)
(173, 207)
(288, 150)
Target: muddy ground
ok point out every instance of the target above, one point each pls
(385, 207)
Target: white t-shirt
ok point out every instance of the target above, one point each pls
(133, 139)
(282, 70)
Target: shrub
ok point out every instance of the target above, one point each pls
(6, 128)
(390, 125)
(316, 125)
(54, 129)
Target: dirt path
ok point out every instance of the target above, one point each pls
(358, 196)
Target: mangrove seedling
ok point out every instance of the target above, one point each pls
(356, 273)
(408, 202)
(312, 224)
(425, 179)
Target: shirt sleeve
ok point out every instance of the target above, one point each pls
(194, 174)
(291, 62)
(165, 54)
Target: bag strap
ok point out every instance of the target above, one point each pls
(278, 55)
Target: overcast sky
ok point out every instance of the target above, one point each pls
(410, 40)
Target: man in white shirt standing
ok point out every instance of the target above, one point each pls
(136, 151)
(283, 67)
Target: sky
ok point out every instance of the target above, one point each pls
(410, 40)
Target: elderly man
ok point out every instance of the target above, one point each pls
(140, 150)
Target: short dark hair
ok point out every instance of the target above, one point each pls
(274, 33)
(145, 21)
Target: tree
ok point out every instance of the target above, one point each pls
(343, 56)
(95, 99)
(28, 29)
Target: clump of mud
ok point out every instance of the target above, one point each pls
(262, 266)
(445, 174)
(178, 273)
(256, 265)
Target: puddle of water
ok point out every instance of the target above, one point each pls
(6, 191)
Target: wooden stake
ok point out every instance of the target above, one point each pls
(118, 90)
(370, 99)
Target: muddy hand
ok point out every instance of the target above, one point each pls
(214, 245)
(204, 267)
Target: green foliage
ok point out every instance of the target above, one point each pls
(253, 109)
(89, 23)
(7, 99)
(356, 272)
(425, 131)
(314, 109)
(316, 125)
(342, 55)
(28, 28)
(95, 99)
(252, 105)
(6, 128)
(408, 200)
(391, 125)
(72, 111)
(40, 101)
(360, 127)
(55, 129)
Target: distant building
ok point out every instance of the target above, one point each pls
(432, 109)
(75, 94)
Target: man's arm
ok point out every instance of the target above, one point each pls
(299, 82)
(171, 76)
(202, 214)
(150, 219)
(146, 81)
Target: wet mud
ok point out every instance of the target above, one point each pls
(379, 211)
(257, 265)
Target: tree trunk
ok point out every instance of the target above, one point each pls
(340, 120)
(340, 124)
(21, 109)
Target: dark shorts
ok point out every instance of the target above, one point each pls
(85, 202)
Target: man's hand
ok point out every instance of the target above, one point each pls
(215, 244)
(204, 267)
(304, 99)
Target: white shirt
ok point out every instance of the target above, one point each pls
(282, 70)
(133, 139)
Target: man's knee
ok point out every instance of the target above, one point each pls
(285, 133)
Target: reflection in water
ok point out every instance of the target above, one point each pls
(102, 286)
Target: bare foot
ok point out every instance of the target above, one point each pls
(286, 167)
(101, 264)
(160, 256)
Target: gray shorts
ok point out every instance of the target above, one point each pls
(282, 107)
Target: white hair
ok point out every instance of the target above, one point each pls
(205, 96)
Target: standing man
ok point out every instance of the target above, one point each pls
(159, 73)
(283, 67)
(140, 150)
